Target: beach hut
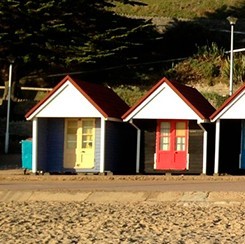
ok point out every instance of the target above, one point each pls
(78, 128)
(174, 134)
(230, 134)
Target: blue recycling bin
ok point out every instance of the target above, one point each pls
(26, 154)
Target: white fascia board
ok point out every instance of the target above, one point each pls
(144, 103)
(228, 107)
(82, 106)
(48, 101)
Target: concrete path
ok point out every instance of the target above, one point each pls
(106, 197)
(14, 186)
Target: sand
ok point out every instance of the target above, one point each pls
(142, 222)
(84, 222)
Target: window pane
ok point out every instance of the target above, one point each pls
(164, 143)
(165, 128)
(71, 137)
(87, 141)
(87, 134)
(164, 136)
(180, 143)
(87, 130)
(180, 129)
(88, 124)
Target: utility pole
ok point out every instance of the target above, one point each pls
(8, 106)
(232, 21)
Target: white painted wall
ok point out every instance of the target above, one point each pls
(67, 102)
(164, 103)
(235, 110)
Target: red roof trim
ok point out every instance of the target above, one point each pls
(227, 102)
(119, 105)
(171, 84)
(88, 97)
(190, 96)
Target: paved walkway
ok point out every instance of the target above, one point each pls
(106, 197)
(14, 186)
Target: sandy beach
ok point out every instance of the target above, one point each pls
(112, 222)
(84, 222)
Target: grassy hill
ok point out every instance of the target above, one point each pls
(189, 9)
(183, 23)
(208, 69)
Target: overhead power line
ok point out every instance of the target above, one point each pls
(117, 67)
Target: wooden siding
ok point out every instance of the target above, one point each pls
(148, 145)
(55, 144)
(97, 145)
(120, 153)
(112, 142)
(210, 128)
(195, 147)
(230, 143)
(50, 145)
(42, 145)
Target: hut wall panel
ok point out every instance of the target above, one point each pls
(55, 144)
(97, 144)
(42, 145)
(148, 144)
(120, 153)
(148, 147)
(195, 147)
(210, 128)
(149, 152)
(230, 143)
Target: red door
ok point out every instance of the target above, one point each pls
(171, 148)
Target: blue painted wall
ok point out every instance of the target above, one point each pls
(42, 145)
(50, 144)
(55, 144)
(120, 146)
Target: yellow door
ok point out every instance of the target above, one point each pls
(85, 144)
(79, 143)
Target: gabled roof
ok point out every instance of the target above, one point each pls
(104, 99)
(228, 103)
(189, 95)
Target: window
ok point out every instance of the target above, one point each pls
(71, 135)
(87, 133)
(180, 136)
(164, 136)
